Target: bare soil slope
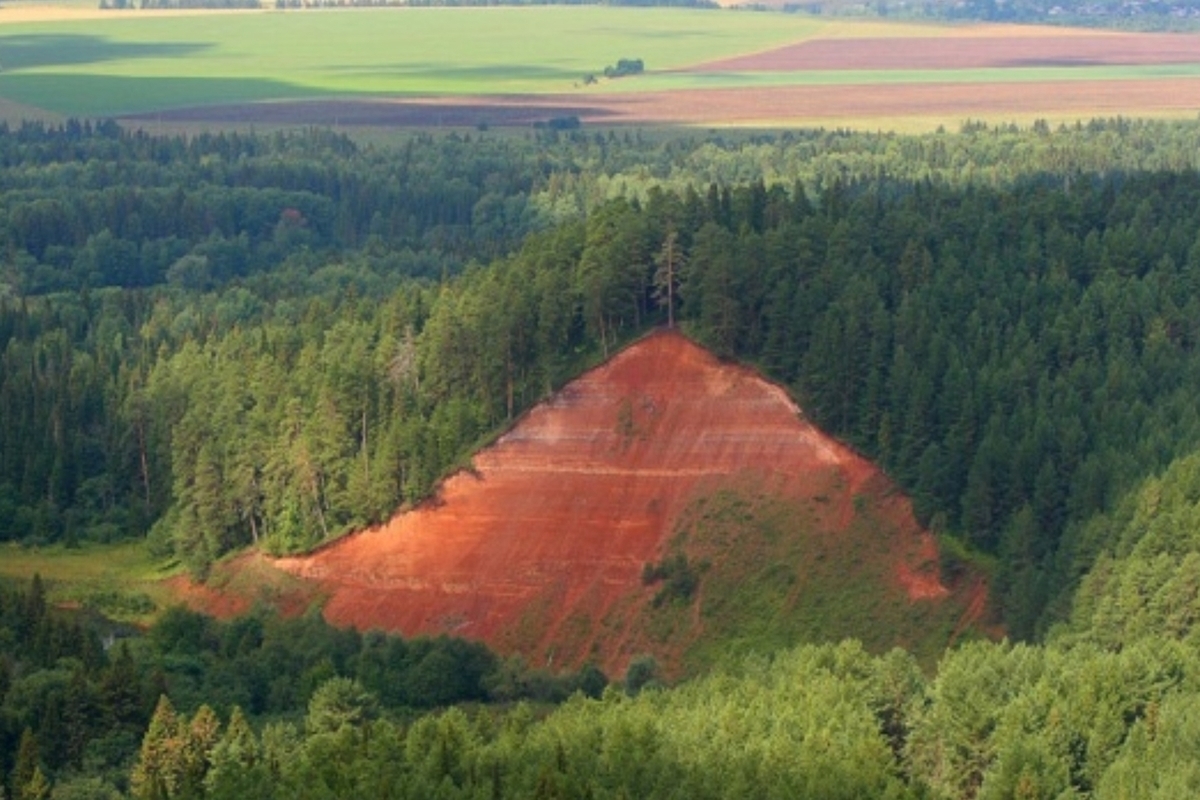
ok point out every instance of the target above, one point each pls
(540, 547)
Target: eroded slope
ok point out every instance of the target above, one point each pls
(540, 548)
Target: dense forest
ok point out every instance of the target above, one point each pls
(77, 696)
(1131, 14)
(233, 339)
(1016, 349)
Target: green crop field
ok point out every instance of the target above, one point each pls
(733, 80)
(127, 63)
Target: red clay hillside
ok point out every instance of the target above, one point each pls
(541, 547)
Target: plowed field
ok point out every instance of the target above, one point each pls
(1097, 48)
(540, 546)
(882, 105)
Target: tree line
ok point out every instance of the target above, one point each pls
(831, 721)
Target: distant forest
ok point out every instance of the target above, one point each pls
(235, 339)
(304, 4)
(1135, 14)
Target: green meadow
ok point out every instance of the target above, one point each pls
(130, 64)
(122, 580)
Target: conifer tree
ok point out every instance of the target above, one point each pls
(670, 262)
(26, 765)
(38, 787)
(156, 775)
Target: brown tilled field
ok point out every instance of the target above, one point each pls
(885, 105)
(969, 52)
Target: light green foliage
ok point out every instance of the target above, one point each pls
(1017, 721)
(1161, 756)
(442, 749)
(952, 746)
(85, 788)
(831, 721)
(238, 767)
(339, 703)
(792, 728)
(38, 787)
(175, 754)
(26, 767)
(1145, 581)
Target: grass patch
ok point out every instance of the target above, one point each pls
(121, 581)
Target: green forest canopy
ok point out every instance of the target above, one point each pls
(233, 339)
(276, 355)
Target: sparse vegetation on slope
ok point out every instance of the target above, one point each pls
(772, 570)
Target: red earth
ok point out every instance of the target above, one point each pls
(554, 523)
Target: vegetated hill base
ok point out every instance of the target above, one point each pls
(242, 582)
(753, 570)
(663, 502)
(774, 570)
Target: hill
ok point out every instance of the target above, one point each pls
(663, 502)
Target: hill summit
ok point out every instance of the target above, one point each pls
(663, 502)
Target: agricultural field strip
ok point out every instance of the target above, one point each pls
(96, 96)
(714, 80)
(130, 64)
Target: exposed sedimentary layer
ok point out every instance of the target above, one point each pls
(555, 521)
